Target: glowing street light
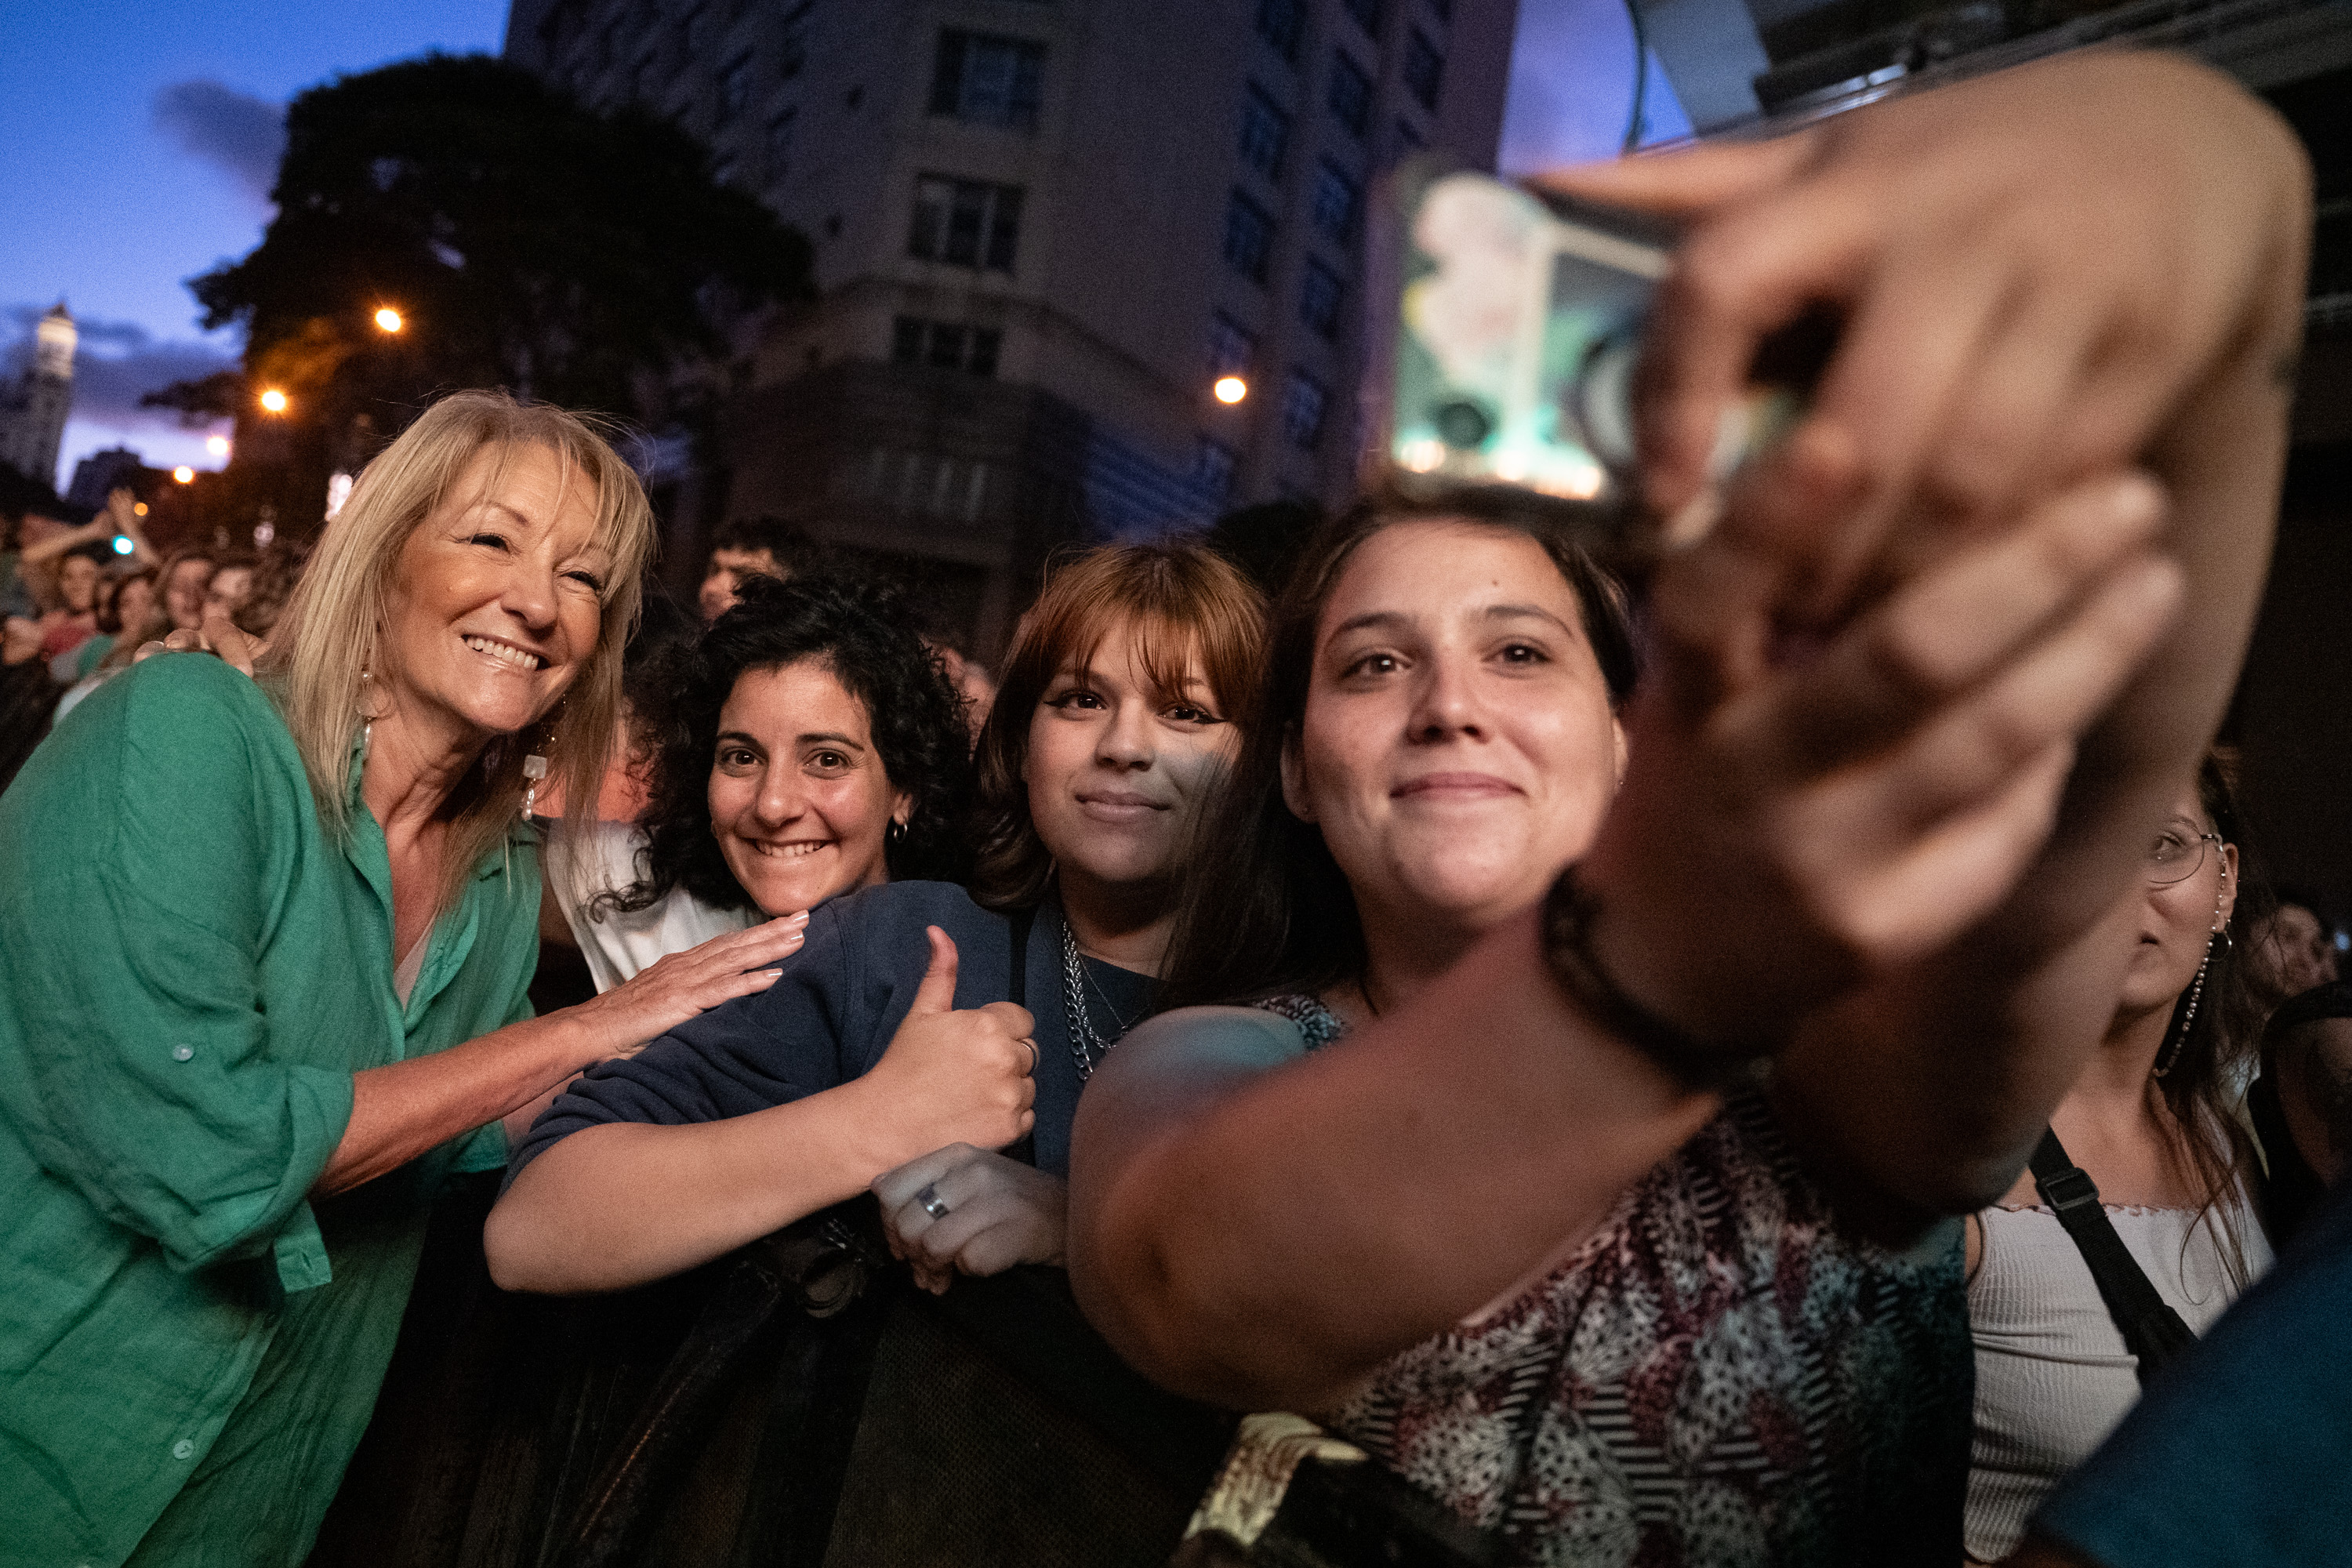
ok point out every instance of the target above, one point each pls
(1230, 389)
(122, 545)
(388, 319)
(185, 474)
(217, 445)
(273, 400)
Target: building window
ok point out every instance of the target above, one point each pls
(987, 79)
(1249, 238)
(1232, 346)
(1424, 68)
(735, 88)
(965, 223)
(946, 345)
(1351, 94)
(1302, 411)
(1319, 290)
(1367, 14)
(1281, 23)
(1213, 468)
(1266, 132)
(1337, 201)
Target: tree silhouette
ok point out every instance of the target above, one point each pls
(585, 259)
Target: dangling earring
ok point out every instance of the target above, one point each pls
(2179, 1037)
(534, 768)
(367, 723)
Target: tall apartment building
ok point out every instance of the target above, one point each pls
(32, 413)
(1043, 229)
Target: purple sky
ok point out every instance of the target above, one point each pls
(141, 140)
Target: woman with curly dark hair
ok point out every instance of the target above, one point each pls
(807, 745)
(918, 1022)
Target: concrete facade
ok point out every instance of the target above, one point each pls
(1042, 230)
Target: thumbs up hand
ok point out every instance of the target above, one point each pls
(955, 1076)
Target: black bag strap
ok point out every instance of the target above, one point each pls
(1016, 988)
(2152, 1331)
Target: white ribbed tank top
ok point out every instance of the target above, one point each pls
(2053, 1374)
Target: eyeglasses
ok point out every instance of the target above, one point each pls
(2174, 856)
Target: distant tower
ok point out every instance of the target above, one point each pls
(33, 419)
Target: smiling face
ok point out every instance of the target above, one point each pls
(1117, 768)
(77, 584)
(799, 798)
(2177, 920)
(1457, 747)
(184, 595)
(495, 603)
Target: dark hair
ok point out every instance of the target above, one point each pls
(1270, 912)
(2208, 1056)
(1183, 600)
(110, 605)
(795, 552)
(859, 629)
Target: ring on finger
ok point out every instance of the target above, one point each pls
(933, 1204)
(1032, 1055)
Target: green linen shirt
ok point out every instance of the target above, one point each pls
(191, 970)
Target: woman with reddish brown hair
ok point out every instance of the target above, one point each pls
(891, 1055)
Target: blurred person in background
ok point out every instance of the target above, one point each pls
(2301, 944)
(129, 610)
(231, 583)
(308, 904)
(74, 621)
(187, 578)
(764, 546)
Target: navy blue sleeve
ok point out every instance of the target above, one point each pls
(826, 1021)
(2237, 1456)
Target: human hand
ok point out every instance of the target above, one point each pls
(954, 1076)
(1794, 822)
(679, 985)
(20, 640)
(220, 636)
(2034, 268)
(963, 1210)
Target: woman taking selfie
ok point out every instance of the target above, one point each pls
(890, 1056)
(1538, 1232)
(307, 908)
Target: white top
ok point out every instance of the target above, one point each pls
(616, 945)
(2052, 1375)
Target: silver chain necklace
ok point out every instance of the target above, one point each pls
(1087, 1042)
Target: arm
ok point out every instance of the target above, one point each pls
(401, 1109)
(57, 544)
(2012, 325)
(675, 1169)
(122, 516)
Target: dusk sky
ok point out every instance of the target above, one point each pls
(140, 142)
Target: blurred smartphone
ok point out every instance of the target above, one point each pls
(1517, 325)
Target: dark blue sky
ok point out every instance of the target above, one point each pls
(140, 139)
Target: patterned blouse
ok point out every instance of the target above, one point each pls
(1717, 1376)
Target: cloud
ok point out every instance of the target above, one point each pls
(117, 362)
(241, 134)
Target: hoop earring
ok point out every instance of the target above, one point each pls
(894, 834)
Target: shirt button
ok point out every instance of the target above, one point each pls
(182, 1449)
(181, 1054)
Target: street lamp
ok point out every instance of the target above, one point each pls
(185, 474)
(388, 319)
(273, 400)
(1230, 389)
(217, 445)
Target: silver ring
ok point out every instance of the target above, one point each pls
(932, 1206)
(1032, 1055)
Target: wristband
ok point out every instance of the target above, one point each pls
(1568, 915)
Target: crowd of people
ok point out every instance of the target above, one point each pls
(1763, 1063)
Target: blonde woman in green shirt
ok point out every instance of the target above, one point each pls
(263, 964)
